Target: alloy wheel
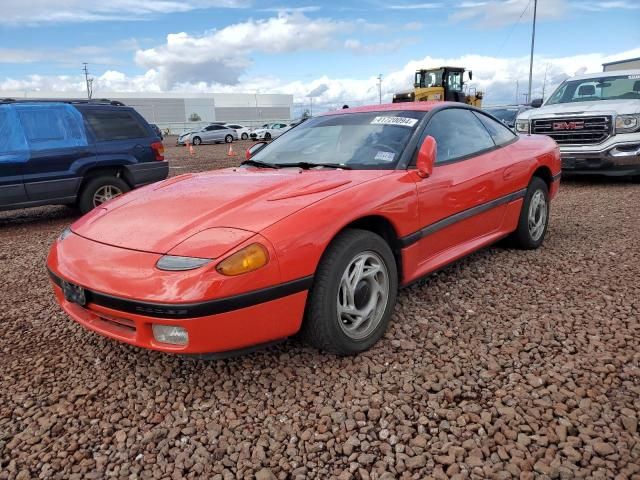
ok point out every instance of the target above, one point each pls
(105, 193)
(537, 218)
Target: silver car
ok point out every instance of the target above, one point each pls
(209, 134)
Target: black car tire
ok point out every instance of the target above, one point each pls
(228, 139)
(197, 140)
(323, 327)
(267, 136)
(523, 237)
(244, 136)
(93, 185)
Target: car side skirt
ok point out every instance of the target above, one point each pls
(194, 310)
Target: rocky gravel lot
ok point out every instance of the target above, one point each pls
(508, 364)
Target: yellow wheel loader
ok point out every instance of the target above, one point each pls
(441, 84)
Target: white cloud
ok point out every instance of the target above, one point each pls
(495, 76)
(415, 6)
(599, 6)
(221, 56)
(495, 13)
(65, 11)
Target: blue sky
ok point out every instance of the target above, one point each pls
(336, 48)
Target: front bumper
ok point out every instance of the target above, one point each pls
(618, 160)
(231, 330)
(124, 295)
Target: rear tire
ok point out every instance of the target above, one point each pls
(534, 217)
(245, 136)
(99, 190)
(228, 139)
(357, 273)
(197, 140)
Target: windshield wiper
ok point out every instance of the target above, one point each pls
(258, 163)
(307, 165)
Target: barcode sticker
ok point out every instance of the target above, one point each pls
(399, 121)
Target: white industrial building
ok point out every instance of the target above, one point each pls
(179, 112)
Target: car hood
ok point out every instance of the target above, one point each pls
(604, 107)
(158, 217)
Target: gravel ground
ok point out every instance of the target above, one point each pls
(508, 364)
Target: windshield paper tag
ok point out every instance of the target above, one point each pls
(385, 156)
(400, 121)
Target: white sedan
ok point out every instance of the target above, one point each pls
(273, 130)
(241, 130)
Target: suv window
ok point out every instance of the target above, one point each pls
(51, 126)
(458, 133)
(114, 125)
(498, 131)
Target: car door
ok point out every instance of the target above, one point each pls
(13, 155)
(462, 200)
(59, 151)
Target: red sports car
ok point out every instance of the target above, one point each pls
(313, 234)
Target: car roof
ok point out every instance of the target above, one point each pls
(393, 107)
(609, 73)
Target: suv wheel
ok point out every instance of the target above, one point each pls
(228, 139)
(197, 140)
(353, 294)
(99, 190)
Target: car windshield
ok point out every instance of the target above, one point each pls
(371, 140)
(618, 87)
(506, 115)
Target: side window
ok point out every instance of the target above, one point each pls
(217, 127)
(498, 131)
(51, 126)
(454, 81)
(114, 125)
(209, 128)
(458, 133)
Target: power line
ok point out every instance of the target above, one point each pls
(513, 28)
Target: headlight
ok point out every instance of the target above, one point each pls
(522, 126)
(174, 263)
(246, 260)
(65, 233)
(627, 123)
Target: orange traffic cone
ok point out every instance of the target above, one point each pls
(190, 148)
(231, 153)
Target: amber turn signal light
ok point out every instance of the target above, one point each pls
(248, 259)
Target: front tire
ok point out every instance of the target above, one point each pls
(100, 190)
(534, 216)
(245, 136)
(197, 140)
(353, 294)
(267, 136)
(228, 139)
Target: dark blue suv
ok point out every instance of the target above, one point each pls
(74, 152)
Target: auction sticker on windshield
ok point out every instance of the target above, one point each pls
(399, 121)
(385, 156)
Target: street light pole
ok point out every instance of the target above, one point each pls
(533, 39)
(380, 89)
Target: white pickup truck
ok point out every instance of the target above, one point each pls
(595, 119)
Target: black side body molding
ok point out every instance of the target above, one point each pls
(458, 217)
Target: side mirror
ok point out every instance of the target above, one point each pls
(470, 75)
(426, 157)
(536, 102)
(253, 149)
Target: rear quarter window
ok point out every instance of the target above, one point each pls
(108, 125)
(499, 133)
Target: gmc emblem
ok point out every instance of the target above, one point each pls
(577, 125)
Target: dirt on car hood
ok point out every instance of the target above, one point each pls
(158, 217)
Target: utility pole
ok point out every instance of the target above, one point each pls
(380, 88)
(544, 84)
(88, 81)
(533, 39)
(517, 88)
(311, 110)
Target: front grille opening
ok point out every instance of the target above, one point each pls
(574, 130)
(122, 325)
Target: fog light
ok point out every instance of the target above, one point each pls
(170, 334)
